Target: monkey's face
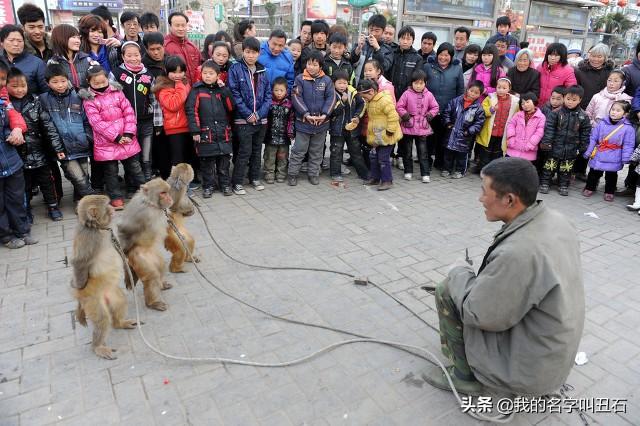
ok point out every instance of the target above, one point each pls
(165, 200)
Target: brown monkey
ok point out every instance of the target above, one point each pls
(142, 227)
(97, 271)
(181, 176)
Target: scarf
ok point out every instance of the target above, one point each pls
(467, 102)
(103, 58)
(134, 68)
(99, 89)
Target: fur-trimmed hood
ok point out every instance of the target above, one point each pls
(90, 94)
(162, 82)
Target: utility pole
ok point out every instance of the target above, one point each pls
(295, 10)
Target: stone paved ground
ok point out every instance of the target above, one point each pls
(401, 239)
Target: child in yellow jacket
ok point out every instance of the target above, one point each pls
(383, 132)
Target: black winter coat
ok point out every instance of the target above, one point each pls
(41, 138)
(592, 80)
(344, 112)
(137, 89)
(524, 82)
(330, 67)
(405, 62)
(208, 109)
(281, 119)
(566, 133)
(156, 68)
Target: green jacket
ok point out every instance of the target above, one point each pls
(30, 48)
(524, 312)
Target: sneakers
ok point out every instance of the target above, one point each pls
(400, 164)
(337, 179)
(15, 243)
(292, 180)
(207, 192)
(608, 197)
(563, 190)
(426, 179)
(269, 179)
(314, 180)
(384, 186)
(117, 204)
(372, 182)
(54, 213)
(194, 185)
(587, 193)
(408, 176)
(29, 240)
(257, 185)
(280, 179)
(457, 175)
(544, 189)
(445, 173)
(239, 190)
(226, 191)
(344, 170)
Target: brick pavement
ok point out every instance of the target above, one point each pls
(401, 239)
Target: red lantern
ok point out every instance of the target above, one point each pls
(604, 2)
(622, 3)
(638, 3)
(346, 9)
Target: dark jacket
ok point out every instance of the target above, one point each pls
(592, 80)
(344, 112)
(33, 68)
(251, 93)
(312, 96)
(68, 116)
(405, 62)
(467, 123)
(137, 89)
(209, 110)
(307, 51)
(384, 55)
(566, 133)
(41, 136)
(426, 56)
(524, 82)
(281, 118)
(76, 71)
(330, 66)
(156, 68)
(632, 72)
(30, 48)
(445, 84)
(10, 161)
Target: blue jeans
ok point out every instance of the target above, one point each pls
(380, 159)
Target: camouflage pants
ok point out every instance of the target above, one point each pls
(563, 167)
(451, 337)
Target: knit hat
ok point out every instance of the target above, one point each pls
(574, 52)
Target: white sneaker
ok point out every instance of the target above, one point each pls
(345, 170)
(400, 164)
(408, 176)
(426, 179)
(257, 185)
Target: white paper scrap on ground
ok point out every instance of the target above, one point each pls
(581, 358)
(592, 214)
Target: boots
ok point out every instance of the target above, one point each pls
(146, 171)
(636, 203)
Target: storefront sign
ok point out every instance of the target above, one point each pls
(322, 9)
(454, 8)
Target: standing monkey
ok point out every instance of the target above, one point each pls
(97, 271)
(142, 227)
(181, 176)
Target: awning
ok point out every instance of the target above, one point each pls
(584, 3)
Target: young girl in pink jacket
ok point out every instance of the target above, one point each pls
(525, 129)
(555, 71)
(114, 132)
(417, 107)
(601, 102)
(488, 71)
(373, 71)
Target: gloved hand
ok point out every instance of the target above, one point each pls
(406, 116)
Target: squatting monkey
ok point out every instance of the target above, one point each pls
(142, 227)
(97, 272)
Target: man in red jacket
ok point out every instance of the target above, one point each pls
(176, 43)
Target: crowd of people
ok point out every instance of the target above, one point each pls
(88, 100)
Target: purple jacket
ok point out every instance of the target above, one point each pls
(523, 139)
(111, 116)
(418, 106)
(611, 155)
